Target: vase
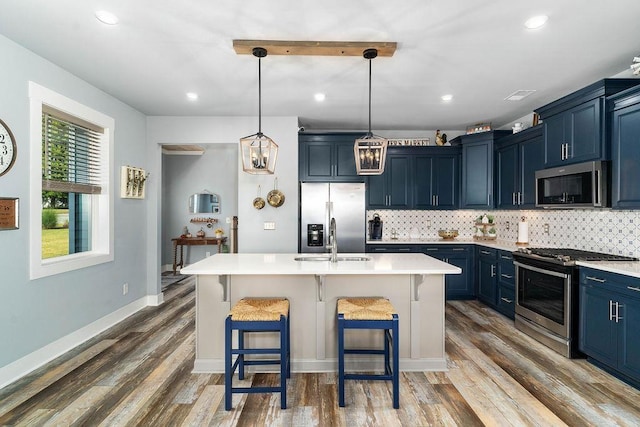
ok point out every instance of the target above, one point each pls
(218, 235)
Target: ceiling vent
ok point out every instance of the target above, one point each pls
(519, 95)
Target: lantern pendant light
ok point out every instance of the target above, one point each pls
(370, 151)
(258, 151)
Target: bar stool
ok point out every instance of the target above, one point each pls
(369, 313)
(257, 315)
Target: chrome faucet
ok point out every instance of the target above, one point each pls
(333, 241)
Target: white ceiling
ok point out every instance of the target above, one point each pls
(477, 50)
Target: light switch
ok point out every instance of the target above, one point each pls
(269, 225)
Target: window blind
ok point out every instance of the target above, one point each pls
(71, 160)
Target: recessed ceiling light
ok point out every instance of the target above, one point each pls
(447, 97)
(320, 97)
(536, 22)
(519, 94)
(192, 96)
(106, 17)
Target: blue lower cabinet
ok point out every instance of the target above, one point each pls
(506, 298)
(610, 321)
(458, 286)
(487, 275)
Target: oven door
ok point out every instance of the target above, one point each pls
(543, 296)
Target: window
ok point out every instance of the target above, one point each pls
(71, 215)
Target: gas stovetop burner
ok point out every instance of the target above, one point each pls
(570, 256)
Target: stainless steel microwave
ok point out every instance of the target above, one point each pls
(582, 185)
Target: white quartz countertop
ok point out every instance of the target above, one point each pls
(285, 264)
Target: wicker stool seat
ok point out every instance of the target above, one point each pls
(369, 313)
(257, 315)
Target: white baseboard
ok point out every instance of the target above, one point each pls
(208, 366)
(155, 300)
(34, 360)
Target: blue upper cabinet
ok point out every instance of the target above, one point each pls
(575, 126)
(327, 157)
(416, 178)
(477, 168)
(436, 177)
(392, 189)
(625, 148)
(518, 156)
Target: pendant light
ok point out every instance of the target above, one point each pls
(370, 151)
(258, 151)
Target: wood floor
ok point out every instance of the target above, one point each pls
(139, 373)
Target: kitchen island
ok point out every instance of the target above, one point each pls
(414, 283)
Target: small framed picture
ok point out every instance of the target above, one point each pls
(9, 213)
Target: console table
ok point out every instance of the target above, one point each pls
(190, 241)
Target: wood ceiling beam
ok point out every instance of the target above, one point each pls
(315, 48)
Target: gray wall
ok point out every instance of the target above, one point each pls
(182, 175)
(252, 238)
(34, 313)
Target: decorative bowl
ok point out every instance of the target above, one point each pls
(448, 234)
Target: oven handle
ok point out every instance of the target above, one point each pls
(540, 270)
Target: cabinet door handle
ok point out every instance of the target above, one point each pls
(437, 200)
(595, 279)
(508, 301)
(634, 288)
(618, 317)
(610, 310)
(505, 257)
(432, 249)
(519, 198)
(493, 271)
(513, 198)
(485, 252)
(506, 276)
(404, 249)
(463, 249)
(562, 151)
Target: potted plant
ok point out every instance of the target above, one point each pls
(491, 232)
(218, 232)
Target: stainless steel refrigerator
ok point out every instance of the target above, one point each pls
(319, 202)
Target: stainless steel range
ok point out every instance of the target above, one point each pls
(547, 294)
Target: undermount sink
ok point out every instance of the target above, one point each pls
(328, 258)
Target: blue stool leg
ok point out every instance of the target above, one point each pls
(341, 360)
(288, 346)
(396, 363)
(241, 356)
(228, 363)
(284, 349)
(387, 366)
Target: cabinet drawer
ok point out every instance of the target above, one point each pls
(506, 269)
(485, 252)
(626, 285)
(506, 300)
(391, 248)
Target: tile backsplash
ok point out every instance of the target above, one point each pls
(609, 231)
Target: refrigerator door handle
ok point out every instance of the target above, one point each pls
(327, 221)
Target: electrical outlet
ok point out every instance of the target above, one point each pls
(507, 225)
(545, 228)
(269, 225)
(228, 220)
(125, 289)
(427, 223)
